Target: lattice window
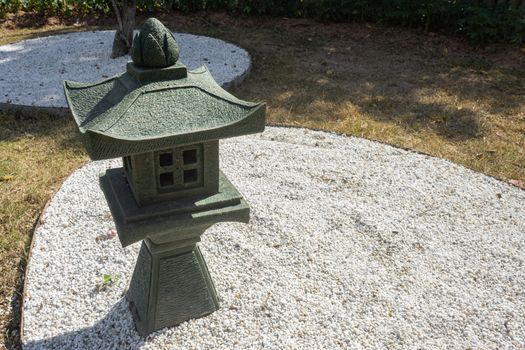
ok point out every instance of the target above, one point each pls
(179, 168)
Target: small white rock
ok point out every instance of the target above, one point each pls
(379, 248)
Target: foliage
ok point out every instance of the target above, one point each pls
(109, 279)
(483, 25)
(55, 7)
(479, 23)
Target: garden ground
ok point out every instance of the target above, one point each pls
(422, 91)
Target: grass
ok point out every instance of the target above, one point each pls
(36, 154)
(420, 91)
(450, 106)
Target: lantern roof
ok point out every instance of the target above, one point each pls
(150, 108)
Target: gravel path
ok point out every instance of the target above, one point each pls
(32, 71)
(351, 244)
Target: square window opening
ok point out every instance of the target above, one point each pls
(166, 179)
(189, 156)
(166, 159)
(190, 175)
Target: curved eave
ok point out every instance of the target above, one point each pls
(101, 146)
(68, 85)
(201, 79)
(104, 144)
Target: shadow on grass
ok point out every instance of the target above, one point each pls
(314, 74)
(26, 124)
(323, 79)
(452, 123)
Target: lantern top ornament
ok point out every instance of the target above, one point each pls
(155, 46)
(157, 103)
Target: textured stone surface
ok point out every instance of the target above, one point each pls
(183, 293)
(31, 71)
(143, 177)
(154, 46)
(139, 292)
(171, 220)
(169, 287)
(351, 244)
(115, 104)
(123, 116)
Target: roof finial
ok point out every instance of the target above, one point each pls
(154, 46)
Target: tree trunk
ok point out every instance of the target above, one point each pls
(125, 12)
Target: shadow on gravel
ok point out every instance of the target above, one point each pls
(111, 332)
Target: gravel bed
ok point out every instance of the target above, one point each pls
(32, 71)
(351, 244)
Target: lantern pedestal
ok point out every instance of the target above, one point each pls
(170, 284)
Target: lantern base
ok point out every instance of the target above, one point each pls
(170, 284)
(174, 220)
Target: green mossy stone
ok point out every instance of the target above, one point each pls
(169, 287)
(157, 104)
(170, 221)
(123, 115)
(155, 46)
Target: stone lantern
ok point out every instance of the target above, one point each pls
(165, 121)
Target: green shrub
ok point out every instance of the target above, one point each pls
(499, 24)
(7, 6)
(479, 23)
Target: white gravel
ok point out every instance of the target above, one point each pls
(32, 71)
(351, 244)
